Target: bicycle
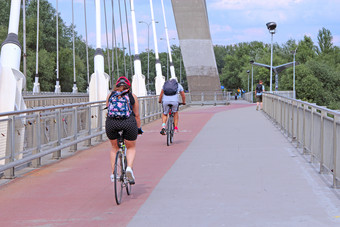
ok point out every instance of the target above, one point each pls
(120, 179)
(170, 126)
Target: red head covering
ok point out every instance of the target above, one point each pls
(123, 80)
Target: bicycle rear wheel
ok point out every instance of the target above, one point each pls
(172, 132)
(127, 184)
(119, 178)
(168, 132)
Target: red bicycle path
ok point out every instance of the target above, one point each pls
(76, 191)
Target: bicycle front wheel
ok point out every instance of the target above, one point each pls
(119, 178)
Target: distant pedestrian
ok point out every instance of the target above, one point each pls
(258, 94)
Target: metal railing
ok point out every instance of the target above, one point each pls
(209, 98)
(52, 99)
(250, 97)
(314, 128)
(27, 136)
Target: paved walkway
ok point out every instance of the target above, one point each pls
(220, 171)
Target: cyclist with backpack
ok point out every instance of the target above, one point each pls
(258, 94)
(123, 114)
(169, 96)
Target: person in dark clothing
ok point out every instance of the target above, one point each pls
(258, 94)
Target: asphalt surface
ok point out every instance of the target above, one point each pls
(221, 171)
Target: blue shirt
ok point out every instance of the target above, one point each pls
(173, 98)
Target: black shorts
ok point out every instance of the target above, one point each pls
(258, 98)
(129, 127)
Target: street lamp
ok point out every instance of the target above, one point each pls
(148, 24)
(271, 27)
(248, 79)
(294, 52)
(252, 81)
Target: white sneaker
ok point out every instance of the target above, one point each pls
(130, 176)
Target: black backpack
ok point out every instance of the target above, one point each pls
(259, 89)
(170, 87)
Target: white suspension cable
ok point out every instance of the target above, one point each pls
(74, 89)
(107, 44)
(128, 35)
(122, 35)
(87, 48)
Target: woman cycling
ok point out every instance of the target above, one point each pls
(129, 123)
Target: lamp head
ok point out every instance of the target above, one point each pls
(252, 61)
(271, 27)
(248, 71)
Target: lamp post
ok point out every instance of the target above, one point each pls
(248, 79)
(148, 24)
(271, 27)
(252, 79)
(294, 52)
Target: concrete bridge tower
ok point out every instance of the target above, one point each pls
(192, 24)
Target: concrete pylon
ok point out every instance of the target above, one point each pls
(12, 82)
(138, 80)
(196, 45)
(160, 79)
(99, 80)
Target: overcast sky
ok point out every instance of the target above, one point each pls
(231, 21)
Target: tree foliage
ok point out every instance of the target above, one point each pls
(317, 71)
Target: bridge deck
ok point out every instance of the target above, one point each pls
(221, 170)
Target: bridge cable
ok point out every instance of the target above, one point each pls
(107, 46)
(122, 35)
(74, 52)
(114, 40)
(24, 42)
(128, 35)
(87, 48)
(57, 86)
(36, 82)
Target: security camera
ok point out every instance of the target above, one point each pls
(248, 71)
(252, 61)
(271, 26)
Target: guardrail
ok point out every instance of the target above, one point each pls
(314, 128)
(249, 96)
(208, 98)
(27, 136)
(34, 133)
(52, 99)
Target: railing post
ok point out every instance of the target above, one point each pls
(312, 135)
(304, 129)
(57, 154)
(100, 123)
(37, 162)
(88, 142)
(322, 141)
(75, 128)
(297, 124)
(335, 149)
(293, 137)
(9, 174)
